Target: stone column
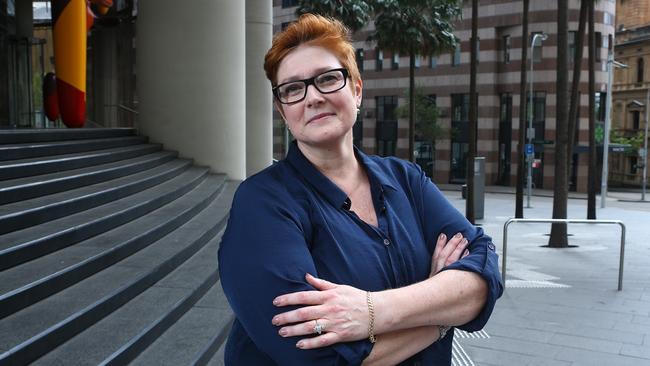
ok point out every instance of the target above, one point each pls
(191, 80)
(259, 116)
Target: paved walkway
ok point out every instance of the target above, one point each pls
(561, 306)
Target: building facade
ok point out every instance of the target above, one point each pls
(445, 78)
(631, 88)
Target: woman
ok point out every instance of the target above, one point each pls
(333, 257)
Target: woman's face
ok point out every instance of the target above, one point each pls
(319, 119)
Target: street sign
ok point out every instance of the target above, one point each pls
(530, 149)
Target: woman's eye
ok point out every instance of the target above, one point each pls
(292, 89)
(327, 79)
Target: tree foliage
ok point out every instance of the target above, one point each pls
(423, 27)
(353, 13)
(635, 141)
(426, 117)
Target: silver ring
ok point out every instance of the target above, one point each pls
(318, 328)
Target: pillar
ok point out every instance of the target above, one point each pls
(259, 109)
(191, 80)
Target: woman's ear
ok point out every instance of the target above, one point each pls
(358, 91)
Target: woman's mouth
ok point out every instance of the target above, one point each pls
(319, 116)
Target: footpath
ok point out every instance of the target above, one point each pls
(562, 306)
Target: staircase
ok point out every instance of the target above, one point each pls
(108, 251)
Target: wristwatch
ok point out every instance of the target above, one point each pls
(443, 329)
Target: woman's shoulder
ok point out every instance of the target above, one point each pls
(394, 168)
(271, 180)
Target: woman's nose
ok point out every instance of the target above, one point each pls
(313, 96)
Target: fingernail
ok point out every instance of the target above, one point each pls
(465, 242)
(283, 332)
(441, 236)
(300, 344)
(276, 302)
(458, 235)
(309, 276)
(275, 321)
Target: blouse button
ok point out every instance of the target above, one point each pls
(386, 242)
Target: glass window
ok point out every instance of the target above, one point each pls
(395, 61)
(459, 137)
(455, 61)
(608, 18)
(506, 49)
(386, 131)
(639, 69)
(359, 56)
(379, 60)
(460, 107)
(357, 131)
(417, 61)
(572, 45)
(433, 61)
(636, 118)
(599, 46)
(289, 3)
(633, 164)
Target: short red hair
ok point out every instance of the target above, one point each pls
(313, 30)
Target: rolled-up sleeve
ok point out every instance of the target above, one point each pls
(264, 253)
(439, 216)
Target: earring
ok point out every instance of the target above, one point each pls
(358, 110)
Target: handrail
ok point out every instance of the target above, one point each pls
(566, 221)
(123, 107)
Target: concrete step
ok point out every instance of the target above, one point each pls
(38, 329)
(35, 166)
(51, 148)
(218, 358)
(27, 244)
(194, 338)
(19, 189)
(22, 214)
(31, 282)
(14, 136)
(185, 291)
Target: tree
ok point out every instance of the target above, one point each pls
(558, 237)
(426, 116)
(408, 27)
(415, 27)
(473, 115)
(591, 173)
(575, 85)
(519, 196)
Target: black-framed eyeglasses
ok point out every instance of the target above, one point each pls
(326, 82)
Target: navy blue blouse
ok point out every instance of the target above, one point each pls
(289, 220)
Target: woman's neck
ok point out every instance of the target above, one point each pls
(336, 162)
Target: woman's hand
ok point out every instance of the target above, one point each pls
(340, 311)
(447, 252)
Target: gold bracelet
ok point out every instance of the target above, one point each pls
(371, 313)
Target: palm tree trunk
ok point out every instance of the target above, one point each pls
(412, 106)
(519, 196)
(558, 237)
(473, 116)
(591, 173)
(575, 86)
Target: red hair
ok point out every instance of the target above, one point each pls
(313, 30)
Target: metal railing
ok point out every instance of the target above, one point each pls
(566, 221)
